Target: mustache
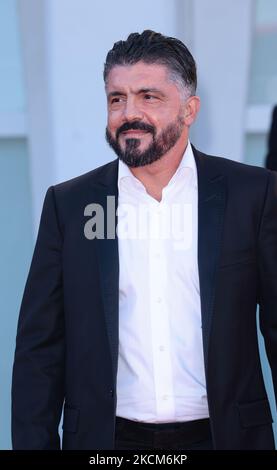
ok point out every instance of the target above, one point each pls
(135, 125)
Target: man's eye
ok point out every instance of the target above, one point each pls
(117, 99)
(149, 97)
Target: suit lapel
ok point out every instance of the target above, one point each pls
(211, 208)
(107, 253)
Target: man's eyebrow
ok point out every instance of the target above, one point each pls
(115, 93)
(141, 90)
(151, 90)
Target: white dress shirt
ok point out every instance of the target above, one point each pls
(160, 367)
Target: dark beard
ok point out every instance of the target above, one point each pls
(161, 144)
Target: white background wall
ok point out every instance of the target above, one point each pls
(222, 50)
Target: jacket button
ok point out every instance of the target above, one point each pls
(111, 392)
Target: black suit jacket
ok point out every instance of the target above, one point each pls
(67, 341)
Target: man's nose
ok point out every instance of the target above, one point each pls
(132, 112)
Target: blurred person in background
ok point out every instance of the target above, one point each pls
(271, 158)
(150, 343)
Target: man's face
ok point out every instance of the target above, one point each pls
(145, 113)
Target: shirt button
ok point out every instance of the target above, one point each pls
(165, 397)
(161, 348)
(159, 299)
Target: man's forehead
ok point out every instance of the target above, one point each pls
(139, 74)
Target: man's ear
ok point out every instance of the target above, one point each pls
(192, 107)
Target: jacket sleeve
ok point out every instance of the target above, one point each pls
(268, 275)
(38, 371)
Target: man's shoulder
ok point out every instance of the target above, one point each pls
(232, 168)
(101, 174)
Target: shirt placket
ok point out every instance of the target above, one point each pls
(160, 321)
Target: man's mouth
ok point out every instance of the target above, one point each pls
(134, 132)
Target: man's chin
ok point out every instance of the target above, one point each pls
(135, 160)
(141, 140)
(135, 152)
(130, 142)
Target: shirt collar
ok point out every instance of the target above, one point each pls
(187, 161)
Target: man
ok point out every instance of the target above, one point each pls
(147, 339)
